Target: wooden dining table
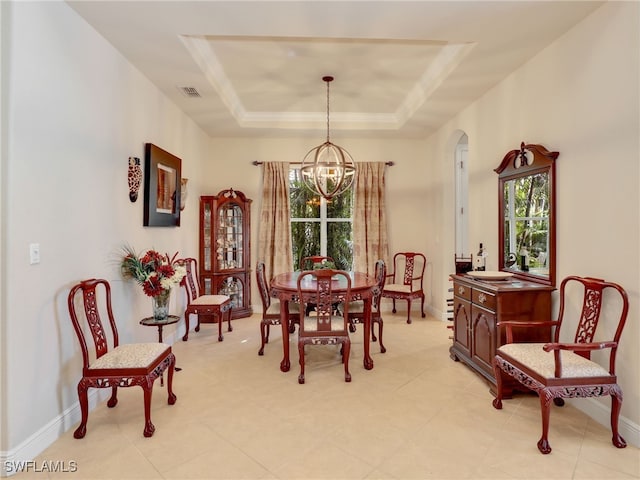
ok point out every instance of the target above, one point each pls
(284, 287)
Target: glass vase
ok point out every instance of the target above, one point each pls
(161, 305)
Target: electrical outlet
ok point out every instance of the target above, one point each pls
(34, 253)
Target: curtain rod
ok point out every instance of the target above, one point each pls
(256, 163)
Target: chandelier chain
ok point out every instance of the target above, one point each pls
(328, 81)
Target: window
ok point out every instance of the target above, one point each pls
(320, 226)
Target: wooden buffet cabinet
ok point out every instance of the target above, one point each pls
(225, 254)
(478, 305)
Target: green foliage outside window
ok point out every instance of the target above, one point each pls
(307, 221)
(531, 216)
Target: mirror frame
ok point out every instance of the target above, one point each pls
(530, 159)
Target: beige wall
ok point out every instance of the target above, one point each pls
(74, 110)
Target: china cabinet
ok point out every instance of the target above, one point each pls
(225, 255)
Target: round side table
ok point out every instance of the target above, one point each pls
(152, 322)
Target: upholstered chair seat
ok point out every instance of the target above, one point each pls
(397, 287)
(130, 356)
(274, 308)
(205, 300)
(543, 363)
(311, 322)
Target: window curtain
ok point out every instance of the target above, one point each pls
(274, 234)
(369, 217)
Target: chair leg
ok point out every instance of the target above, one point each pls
(264, 337)
(185, 337)
(113, 401)
(346, 349)
(409, 310)
(84, 409)
(422, 307)
(616, 406)
(497, 373)
(171, 400)
(373, 333)
(229, 327)
(382, 347)
(394, 306)
(149, 428)
(545, 409)
(301, 361)
(220, 322)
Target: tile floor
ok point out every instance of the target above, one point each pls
(416, 415)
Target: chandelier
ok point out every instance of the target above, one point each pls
(328, 170)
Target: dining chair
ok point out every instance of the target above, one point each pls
(323, 326)
(559, 370)
(308, 263)
(271, 310)
(356, 308)
(203, 305)
(405, 282)
(112, 365)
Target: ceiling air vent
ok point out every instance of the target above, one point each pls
(190, 92)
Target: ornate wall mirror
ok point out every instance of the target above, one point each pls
(527, 219)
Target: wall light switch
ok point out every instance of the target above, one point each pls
(34, 253)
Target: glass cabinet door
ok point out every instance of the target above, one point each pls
(233, 288)
(229, 254)
(206, 232)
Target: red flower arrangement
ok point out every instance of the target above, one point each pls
(155, 272)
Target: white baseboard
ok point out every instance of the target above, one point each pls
(601, 413)
(21, 457)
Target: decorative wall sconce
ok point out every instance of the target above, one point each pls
(183, 193)
(134, 178)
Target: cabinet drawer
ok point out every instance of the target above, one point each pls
(484, 299)
(462, 291)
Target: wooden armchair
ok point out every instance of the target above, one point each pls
(198, 304)
(271, 310)
(136, 364)
(405, 282)
(323, 326)
(561, 370)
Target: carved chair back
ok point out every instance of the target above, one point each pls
(89, 289)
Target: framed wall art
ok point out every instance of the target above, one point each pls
(162, 174)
